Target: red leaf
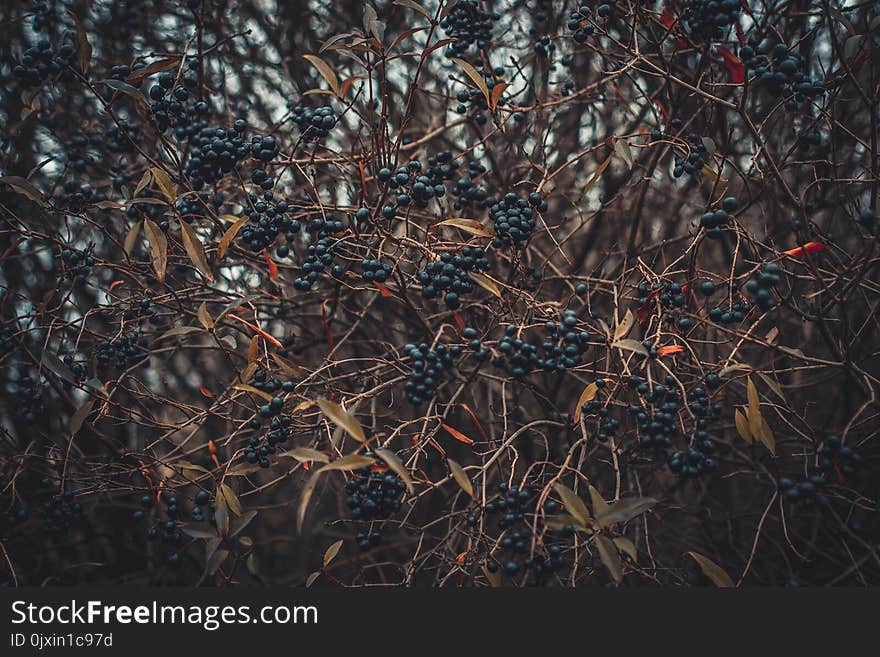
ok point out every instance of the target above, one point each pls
(458, 435)
(458, 320)
(269, 338)
(207, 393)
(667, 19)
(733, 65)
(273, 268)
(809, 247)
(384, 291)
(669, 349)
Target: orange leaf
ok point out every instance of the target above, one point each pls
(669, 349)
(269, 338)
(384, 291)
(207, 393)
(458, 320)
(458, 435)
(800, 251)
(115, 283)
(273, 268)
(212, 447)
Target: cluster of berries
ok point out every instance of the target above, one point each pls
(215, 152)
(375, 270)
(265, 223)
(60, 512)
(320, 254)
(783, 72)
(119, 351)
(760, 287)
(806, 489)
(468, 25)
(656, 413)
(279, 432)
(42, 62)
(709, 20)
(712, 221)
(693, 161)
(466, 193)
(170, 106)
(28, 393)
(577, 23)
(835, 456)
(76, 262)
(513, 503)
(314, 124)
(427, 366)
(449, 275)
(513, 218)
(608, 426)
(373, 493)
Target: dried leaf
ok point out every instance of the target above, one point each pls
(291, 370)
(460, 477)
(143, 182)
(244, 387)
(227, 498)
(178, 331)
(243, 520)
(609, 557)
(215, 561)
(83, 47)
(471, 72)
(308, 489)
(331, 553)
(626, 546)
(574, 505)
(162, 179)
(131, 237)
(23, 187)
(771, 383)
(497, 90)
(589, 394)
(307, 455)
(205, 316)
(742, 427)
(311, 578)
(753, 411)
(343, 418)
(625, 509)
(624, 326)
(767, 437)
(79, 416)
(712, 570)
(194, 250)
(621, 147)
(458, 435)
(413, 5)
(800, 251)
(670, 349)
(158, 248)
(631, 345)
(326, 72)
(494, 579)
(471, 226)
(397, 466)
(151, 69)
(229, 235)
(485, 282)
(600, 506)
(348, 462)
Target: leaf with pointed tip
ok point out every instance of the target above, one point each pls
(195, 532)
(83, 47)
(477, 79)
(348, 463)
(627, 547)
(397, 466)
(771, 383)
(194, 250)
(331, 553)
(753, 410)
(471, 226)
(494, 578)
(625, 509)
(713, 571)
(178, 331)
(226, 497)
(610, 558)
(414, 6)
(460, 477)
(598, 172)
(624, 326)
(23, 187)
(242, 521)
(342, 418)
(598, 502)
(308, 489)
(589, 394)
(244, 387)
(165, 185)
(621, 147)
(79, 416)
(290, 369)
(158, 248)
(205, 316)
(215, 561)
(574, 505)
(326, 72)
(307, 455)
(631, 345)
(485, 282)
(497, 90)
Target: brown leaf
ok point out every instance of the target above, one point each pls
(165, 185)
(600, 506)
(83, 47)
(713, 571)
(348, 462)
(226, 497)
(338, 415)
(205, 316)
(485, 282)
(23, 187)
(131, 237)
(610, 557)
(244, 387)
(194, 250)
(326, 72)
(624, 326)
(158, 248)
(307, 455)
(742, 427)
(290, 369)
(397, 466)
(471, 226)
(625, 509)
(143, 182)
(574, 505)
(599, 171)
(626, 546)
(753, 411)
(477, 79)
(308, 489)
(631, 345)
(229, 235)
(589, 394)
(331, 553)
(414, 6)
(79, 416)
(497, 90)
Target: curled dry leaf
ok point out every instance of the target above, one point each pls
(396, 466)
(471, 226)
(477, 79)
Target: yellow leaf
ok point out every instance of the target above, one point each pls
(194, 250)
(158, 248)
(767, 437)
(331, 552)
(460, 477)
(589, 394)
(325, 71)
(626, 546)
(343, 418)
(471, 72)
(485, 282)
(713, 571)
(742, 427)
(205, 316)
